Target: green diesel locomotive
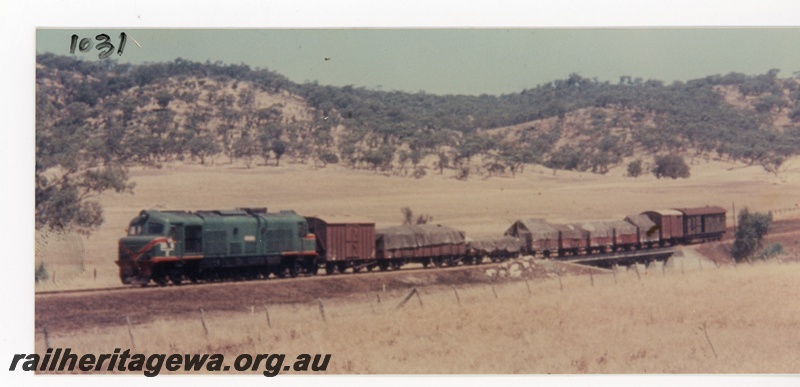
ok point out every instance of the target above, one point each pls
(245, 243)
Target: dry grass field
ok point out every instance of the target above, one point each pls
(682, 319)
(677, 319)
(479, 206)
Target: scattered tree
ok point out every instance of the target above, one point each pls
(635, 168)
(279, 148)
(752, 227)
(672, 166)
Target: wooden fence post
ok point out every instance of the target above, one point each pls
(560, 284)
(369, 298)
(203, 320)
(321, 309)
(47, 339)
(408, 297)
(130, 331)
(456, 292)
(528, 286)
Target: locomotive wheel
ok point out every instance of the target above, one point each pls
(160, 280)
(330, 268)
(176, 279)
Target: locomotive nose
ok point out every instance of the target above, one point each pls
(134, 259)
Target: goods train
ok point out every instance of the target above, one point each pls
(250, 243)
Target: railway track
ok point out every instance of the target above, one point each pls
(361, 274)
(624, 258)
(602, 260)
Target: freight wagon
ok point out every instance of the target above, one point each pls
(344, 242)
(249, 243)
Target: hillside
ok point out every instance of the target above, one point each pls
(95, 120)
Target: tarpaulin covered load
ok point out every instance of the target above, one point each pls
(598, 229)
(570, 231)
(537, 234)
(648, 230)
(537, 229)
(571, 236)
(407, 236)
(624, 232)
(507, 244)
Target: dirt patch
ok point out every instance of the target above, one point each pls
(100, 309)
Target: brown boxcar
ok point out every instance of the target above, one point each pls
(703, 223)
(646, 229)
(537, 234)
(669, 223)
(342, 240)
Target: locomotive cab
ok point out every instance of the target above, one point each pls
(151, 239)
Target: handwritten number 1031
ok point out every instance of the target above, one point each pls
(104, 45)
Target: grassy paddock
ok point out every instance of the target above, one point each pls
(682, 319)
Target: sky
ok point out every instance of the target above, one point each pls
(459, 61)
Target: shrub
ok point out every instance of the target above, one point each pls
(328, 157)
(671, 165)
(41, 273)
(635, 168)
(751, 231)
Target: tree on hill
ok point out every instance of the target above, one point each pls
(67, 176)
(752, 229)
(279, 148)
(671, 165)
(691, 115)
(635, 168)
